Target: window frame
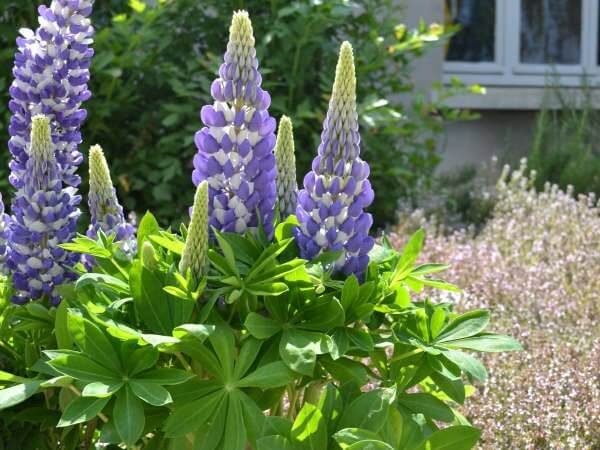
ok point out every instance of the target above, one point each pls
(507, 70)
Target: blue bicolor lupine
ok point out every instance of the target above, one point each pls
(4, 221)
(105, 210)
(51, 71)
(287, 186)
(44, 215)
(235, 148)
(336, 191)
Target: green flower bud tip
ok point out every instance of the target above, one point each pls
(195, 251)
(344, 86)
(287, 187)
(41, 140)
(149, 256)
(100, 182)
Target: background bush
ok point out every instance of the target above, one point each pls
(155, 61)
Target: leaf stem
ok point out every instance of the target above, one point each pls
(416, 351)
(183, 362)
(102, 416)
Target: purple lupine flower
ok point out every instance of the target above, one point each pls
(51, 71)
(235, 148)
(44, 216)
(336, 190)
(105, 210)
(4, 221)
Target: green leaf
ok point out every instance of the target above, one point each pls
(410, 253)
(101, 390)
(346, 370)
(370, 445)
(141, 359)
(170, 243)
(128, 414)
(465, 325)
(467, 363)
(428, 405)
(83, 244)
(274, 443)
(269, 289)
(455, 389)
(5, 376)
(299, 349)
(165, 376)
(101, 279)
(261, 327)
(349, 436)
(61, 329)
(269, 376)
(190, 416)
(350, 292)
(453, 438)
(83, 368)
(369, 411)
(426, 269)
(196, 331)
(486, 342)
(235, 429)
(16, 394)
(151, 393)
(309, 431)
(93, 342)
(148, 226)
(81, 410)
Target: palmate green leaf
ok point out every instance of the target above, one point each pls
(267, 257)
(299, 349)
(223, 342)
(82, 409)
(369, 410)
(61, 329)
(227, 250)
(235, 430)
(101, 390)
(309, 431)
(269, 376)
(465, 325)
(246, 356)
(213, 432)
(275, 442)
(168, 241)
(269, 288)
(409, 256)
(485, 342)
(165, 376)
(128, 414)
(467, 363)
(100, 280)
(454, 389)
(192, 415)
(348, 436)
(452, 438)
(147, 227)
(428, 405)
(346, 370)
(85, 245)
(5, 376)
(325, 314)
(281, 271)
(92, 341)
(14, 395)
(370, 445)
(151, 393)
(141, 359)
(83, 368)
(261, 327)
(426, 269)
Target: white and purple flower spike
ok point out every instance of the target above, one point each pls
(287, 186)
(51, 72)
(235, 148)
(336, 190)
(105, 211)
(44, 216)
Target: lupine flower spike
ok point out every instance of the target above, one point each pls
(330, 207)
(235, 148)
(287, 187)
(105, 211)
(195, 251)
(44, 216)
(4, 221)
(51, 72)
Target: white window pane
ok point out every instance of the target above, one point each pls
(475, 42)
(550, 31)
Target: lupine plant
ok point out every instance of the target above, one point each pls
(251, 328)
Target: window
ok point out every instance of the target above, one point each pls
(521, 42)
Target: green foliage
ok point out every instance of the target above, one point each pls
(147, 359)
(154, 65)
(565, 150)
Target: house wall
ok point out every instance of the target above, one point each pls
(503, 130)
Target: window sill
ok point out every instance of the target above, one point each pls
(522, 98)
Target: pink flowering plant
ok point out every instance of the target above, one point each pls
(271, 321)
